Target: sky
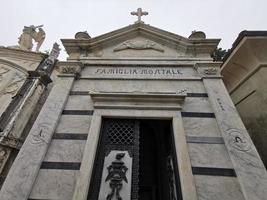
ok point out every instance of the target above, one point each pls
(223, 19)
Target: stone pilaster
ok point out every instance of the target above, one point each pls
(249, 168)
(24, 170)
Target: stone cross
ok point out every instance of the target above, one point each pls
(139, 14)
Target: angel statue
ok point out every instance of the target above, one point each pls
(29, 33)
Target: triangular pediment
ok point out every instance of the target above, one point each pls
(140, 40)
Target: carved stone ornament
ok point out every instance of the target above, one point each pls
(117, 176)
(69, 68)
(139, 45)
(139, 13)
(52, 56)
(3, 157)
(11, 142)
(238, 140)
(210, 71)
(30, 33)
(10, 80)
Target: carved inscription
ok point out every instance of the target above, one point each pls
(136, 71)
(220, 104)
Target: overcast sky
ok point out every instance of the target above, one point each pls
(223, 19)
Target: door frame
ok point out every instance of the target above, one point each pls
(127, 109)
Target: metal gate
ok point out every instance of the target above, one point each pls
(116, 167)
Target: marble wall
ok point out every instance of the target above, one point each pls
(206, 147)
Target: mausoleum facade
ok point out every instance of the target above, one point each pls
(138, 113)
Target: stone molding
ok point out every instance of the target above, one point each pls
(139, 101)
(188, 186)
(246, 77)
(164, 37)
(13, 53)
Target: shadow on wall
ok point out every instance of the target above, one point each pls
(257, 128)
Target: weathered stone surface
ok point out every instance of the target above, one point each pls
(249, 168)
(209, 155)
(78, 102)
(65, 151)
(168, 86)
(54, 184)
(25, 168)
(212, 187)
(201, 127)
(197, 104)
(11, 79)
(73, 124)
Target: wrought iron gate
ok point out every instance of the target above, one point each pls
(117, 161)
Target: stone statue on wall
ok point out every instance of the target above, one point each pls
(30, 33)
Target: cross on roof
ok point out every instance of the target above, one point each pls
(139, 14)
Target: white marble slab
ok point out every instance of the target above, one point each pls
(218, 188)
(201, 127)
(74, 124)
(65, 151)
(209, 155)
(196, 104)
(54, 184)
(79, 102)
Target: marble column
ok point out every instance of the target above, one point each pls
(84, 178)
(184, 165)
(24, 170)
(249, 168)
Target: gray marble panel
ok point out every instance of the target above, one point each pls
(139, 86)
(54, 184)
(201, 127)
(79, 102)
(218, 187)
(196, 104)
(209, 155)
(74, 124)
(65, 151)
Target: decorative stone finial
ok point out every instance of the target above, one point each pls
(139, 14)
(30, 33)
(82, 35)
(197, 35)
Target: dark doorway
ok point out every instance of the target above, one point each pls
(157, 177)
(150, 144)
